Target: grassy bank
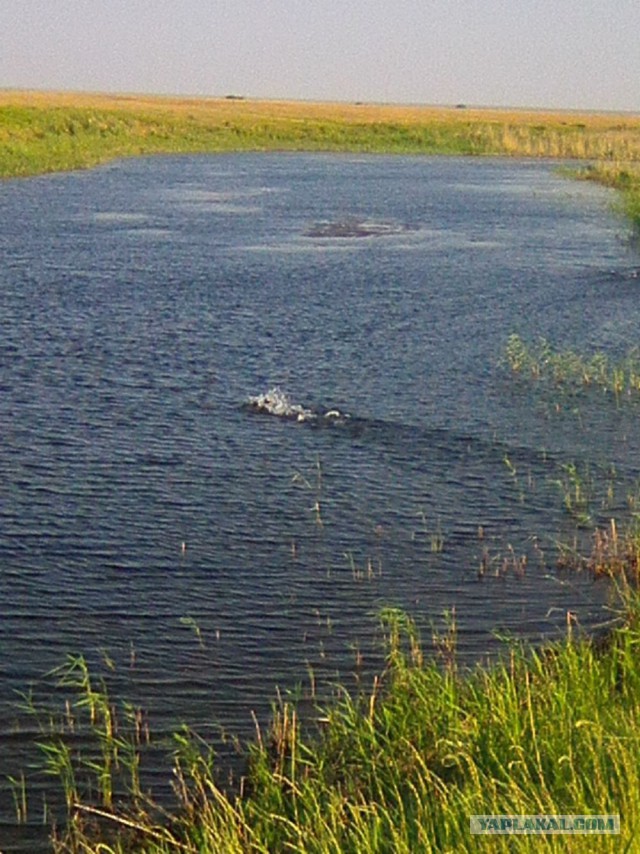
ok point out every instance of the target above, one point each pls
(399, 769)
(40, 132)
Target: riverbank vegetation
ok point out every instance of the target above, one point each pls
(45, 132)
(400, 768)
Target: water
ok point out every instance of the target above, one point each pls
(143, 502)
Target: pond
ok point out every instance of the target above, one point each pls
(155, 522)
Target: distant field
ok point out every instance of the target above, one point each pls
(48, 131)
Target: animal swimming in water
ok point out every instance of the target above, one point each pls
(276, 402)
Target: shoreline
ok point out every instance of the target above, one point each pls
(548, 731)
(44, 132)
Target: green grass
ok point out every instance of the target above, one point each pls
(399, 768)
(39, 139)
(542, 363)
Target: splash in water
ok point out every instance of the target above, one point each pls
(276, 402)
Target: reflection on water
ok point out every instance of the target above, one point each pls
(143, 304)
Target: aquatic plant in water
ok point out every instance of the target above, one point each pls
(572, 370)
(576, 487)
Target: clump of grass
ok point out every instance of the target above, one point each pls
(92, 747)
(614, 552)
(401, 767)
(571, 370)
(314, 486)
(432, 533)
(502, 563)
(576, 487)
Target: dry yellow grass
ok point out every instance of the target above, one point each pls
(226, 109)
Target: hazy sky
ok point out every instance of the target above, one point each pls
(538, 53)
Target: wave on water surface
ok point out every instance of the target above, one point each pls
(413, 438)
(407, 441)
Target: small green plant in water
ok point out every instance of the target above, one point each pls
(576, 488)
(19, 793)
(190, 623)
(315, 488)
(434, 534)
